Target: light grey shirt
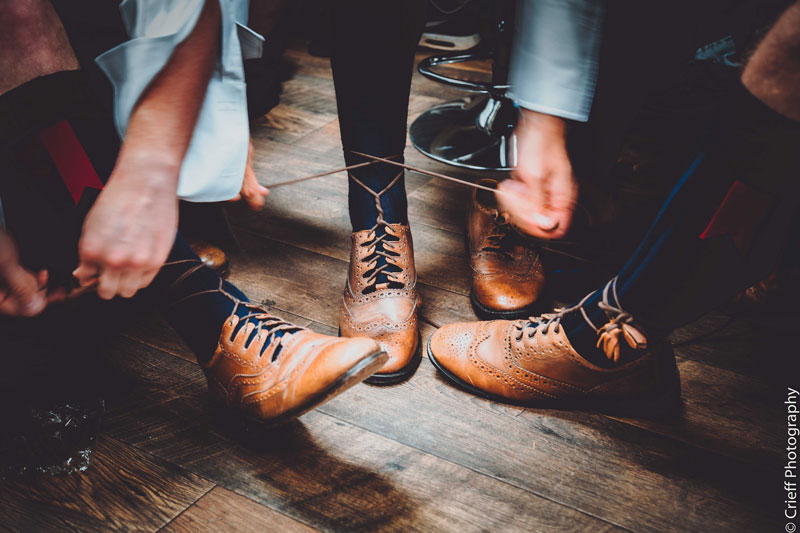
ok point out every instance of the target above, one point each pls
(554, 62)
(213, 168)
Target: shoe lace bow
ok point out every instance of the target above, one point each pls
(620, 322)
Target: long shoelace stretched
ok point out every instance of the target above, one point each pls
(75, 289)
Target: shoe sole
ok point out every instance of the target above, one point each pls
(664, 401)
(402, 374)
(360, 372)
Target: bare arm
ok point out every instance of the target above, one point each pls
(131, 228)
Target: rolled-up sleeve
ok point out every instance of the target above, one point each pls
(554, 61)
(213, 168)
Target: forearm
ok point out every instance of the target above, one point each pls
(772, 73)
(162, 124)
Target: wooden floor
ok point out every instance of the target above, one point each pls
(421, 455)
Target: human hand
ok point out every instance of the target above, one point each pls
(22, 293)
(131, 228)
(541, 194)
(253, 193)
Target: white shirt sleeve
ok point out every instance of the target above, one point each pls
(554, 61)
(213, 168)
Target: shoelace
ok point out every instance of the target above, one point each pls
(389, 268)
(503, 237)
(620, 322)
(266, 322)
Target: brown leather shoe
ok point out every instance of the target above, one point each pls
(387, 311)
(507, 275)
(309, 370)
(211, 256)
(532, 362)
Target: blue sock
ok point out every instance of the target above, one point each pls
(198, 318)
(362, 204)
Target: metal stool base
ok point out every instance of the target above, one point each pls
(475, 132)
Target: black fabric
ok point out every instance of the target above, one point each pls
(44, 220)
(680, 270)
(93, 27)
(39, 210)
(372, 60)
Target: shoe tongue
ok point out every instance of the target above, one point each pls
(486, 199)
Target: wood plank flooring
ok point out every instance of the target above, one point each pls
(420, 456)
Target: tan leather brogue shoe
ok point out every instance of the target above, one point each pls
(380, 298)
(507, 274)
(211, 256)
(532, 362)
(247, 375)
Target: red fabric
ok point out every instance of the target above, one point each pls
(70, 159)
(739, 215)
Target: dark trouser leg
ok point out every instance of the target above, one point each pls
(723, 227)
(373, 56)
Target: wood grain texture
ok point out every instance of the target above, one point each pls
(328, 473)
(222, 510)
(123, 490)
(564, 456)
(421, 455)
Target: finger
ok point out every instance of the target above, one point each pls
(86, 273)
(257, 199)
(42, 278)
(24, 288)
(529, 199)
(533, 184)
(34, 305)
(58, 295)
(520, 214)
(523, 211)
(108, 285)
(132, 281)
(8, 304)
(8, 251)
(148, 277)
(531, 224)
(129, 283)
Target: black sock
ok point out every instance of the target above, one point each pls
(363, 205)
(198, 318)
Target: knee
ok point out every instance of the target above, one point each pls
(32, 42)
(31, 26)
